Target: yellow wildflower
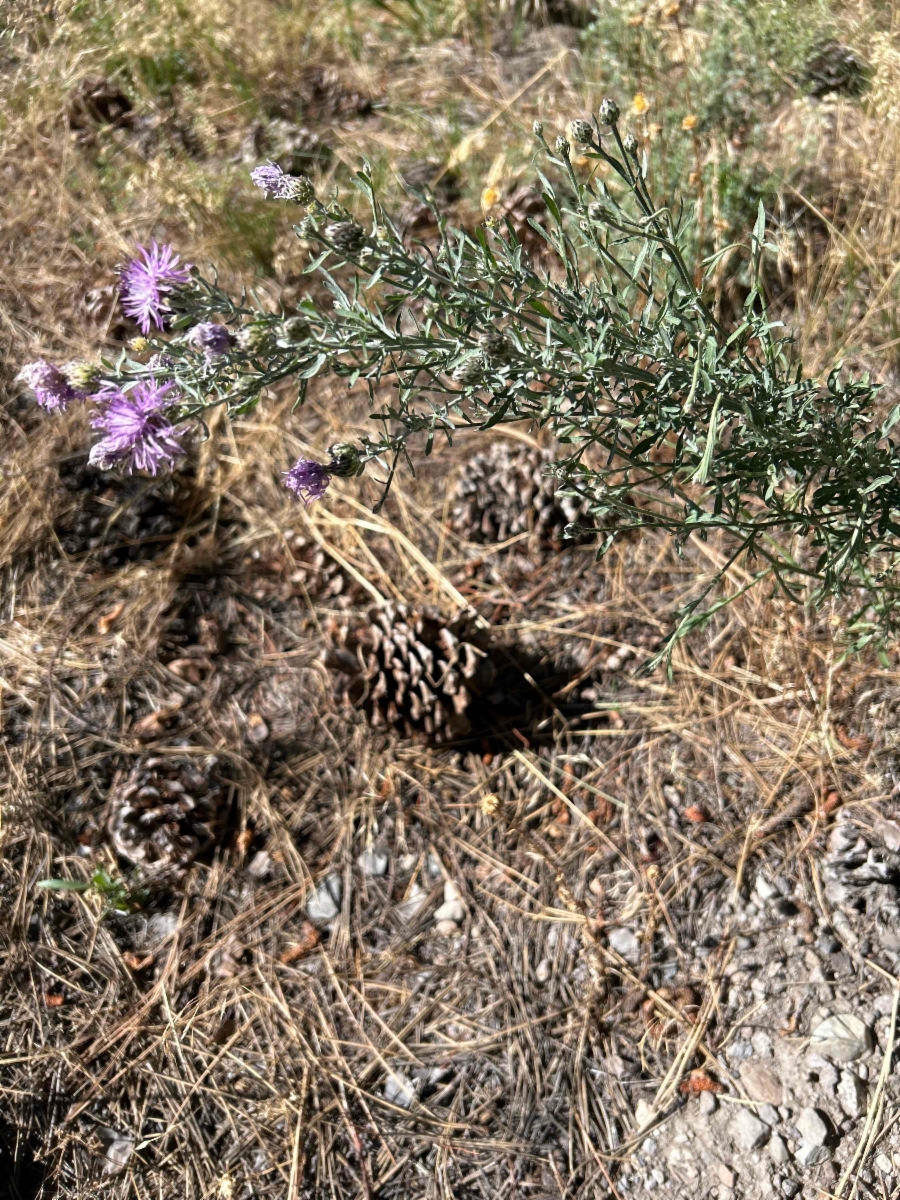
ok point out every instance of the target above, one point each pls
(489, 198)
(640, 104)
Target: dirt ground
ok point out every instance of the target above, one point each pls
(617, 935)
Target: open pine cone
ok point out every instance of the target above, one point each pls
(167, 812)
(504, 492)
(577, 13)
(414, 670)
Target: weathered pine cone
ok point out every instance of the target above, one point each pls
(577, 13)
(504, 492)
(861, 871)
(167, 812)
(413, 670)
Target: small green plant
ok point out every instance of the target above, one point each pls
(116, 895)
(666, 419)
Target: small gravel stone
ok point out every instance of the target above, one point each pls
(738, 1050)
(450, 910)
(260, 865)
(768, 1113)
(884, 1164)
(399, 1090)
(542, 970)
(644, 1114)
(624, 942)
(762, 1084)
(812, 1128)
(851, 1094)
(778, 1151)
(373, 863)
(764, 889)
(843, 1038)
(748, 1131)
(707, 1103)
(446, 928)
(789, 1188)
(727, 1177)
(811, 1156)
(762, 1044)
(325, 902)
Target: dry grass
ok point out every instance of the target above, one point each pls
(208, 1036)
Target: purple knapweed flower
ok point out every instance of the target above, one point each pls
(146, 282)
(51, 388)
(160, 362)
(214, 340)
(307, 479)
(139, 436)
(268, 178)
(278, 185)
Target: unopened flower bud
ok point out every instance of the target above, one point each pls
(343, 459)
(83, 376)
(346, 235)
(538, 129)
(595, 211)
(573, 531)
(255, 338)
(298, 188)
(214, 340)
(470, 370)
(495, 344)
(293, 331)
(630, 143)
(562, 147)
(582, 131)
(160, 362)
(430, 310)
(139, 345)
(609, 112)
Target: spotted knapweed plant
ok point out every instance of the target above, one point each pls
(666, 418)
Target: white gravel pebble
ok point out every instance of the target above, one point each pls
(399, 1090)
(812, 1128)
(450, 910)
(851, 1094)
(373, 863)
(325, 902)
(778, 1151)
(748, 1131)
(843, 1038)
(624, 942)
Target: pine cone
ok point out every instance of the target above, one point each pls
(328, 97)
(504, 493)
(97, 101)
(835, 68)
(414, 670)
(576, 13)
(862, 866)
(119, 520)
(167, 812)
(324, 580)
